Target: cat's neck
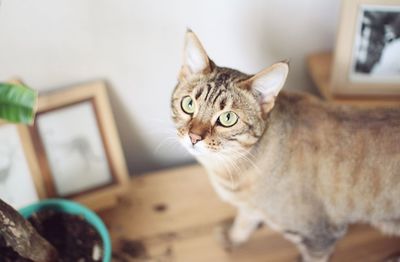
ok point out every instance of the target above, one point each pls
(229, 170)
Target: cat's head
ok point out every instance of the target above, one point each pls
(221, 110)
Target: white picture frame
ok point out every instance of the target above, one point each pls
(20, 179)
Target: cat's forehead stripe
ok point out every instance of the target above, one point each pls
(222, 104)
(199, 92)
(209, 87)
(216, 95)
(222, 79)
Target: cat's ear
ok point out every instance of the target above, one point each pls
(195, 59)
(268, 83)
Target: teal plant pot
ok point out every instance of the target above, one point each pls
(71, 207)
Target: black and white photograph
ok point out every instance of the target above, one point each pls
(376, 52)
(16, 183)
(74, 148)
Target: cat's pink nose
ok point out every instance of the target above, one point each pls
(194, 138)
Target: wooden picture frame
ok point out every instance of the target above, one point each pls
(360, 67)
(78, 147)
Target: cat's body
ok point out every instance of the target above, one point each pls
(316, 159)
(305, 167)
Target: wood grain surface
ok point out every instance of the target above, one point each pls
(172, 215)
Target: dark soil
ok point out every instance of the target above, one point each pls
(73, 237)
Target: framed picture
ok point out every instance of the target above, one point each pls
(78, 148)
(367, 55)
(20, 180)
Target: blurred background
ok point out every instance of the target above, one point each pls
(135, 45)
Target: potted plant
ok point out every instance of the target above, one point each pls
(46, 231)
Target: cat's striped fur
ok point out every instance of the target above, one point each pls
(305, 167)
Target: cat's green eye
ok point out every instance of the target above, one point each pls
(228, 119)
(187, 105)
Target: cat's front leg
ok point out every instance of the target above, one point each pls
(235, 234)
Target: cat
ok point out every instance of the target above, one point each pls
(304, 167)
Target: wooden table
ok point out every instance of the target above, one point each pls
(171, 216)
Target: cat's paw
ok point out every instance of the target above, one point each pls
(223, 236)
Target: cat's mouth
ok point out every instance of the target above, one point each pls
(197, 149)
(194, 151)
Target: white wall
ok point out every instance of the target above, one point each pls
(136, 46)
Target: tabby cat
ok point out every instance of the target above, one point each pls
(304, 167)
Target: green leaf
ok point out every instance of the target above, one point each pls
(17, 103)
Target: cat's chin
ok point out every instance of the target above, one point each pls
(195, 151)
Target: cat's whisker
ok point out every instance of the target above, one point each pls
(231, 160)
(226, 162)
(246, 156)
(166, 140)
(235, 167)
